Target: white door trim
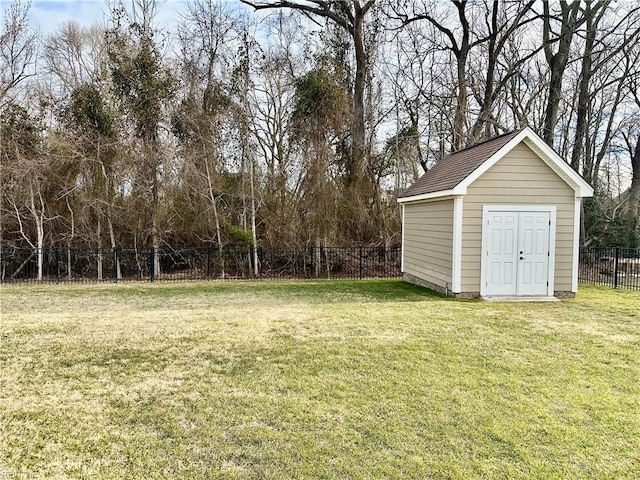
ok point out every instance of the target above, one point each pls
(486, 209)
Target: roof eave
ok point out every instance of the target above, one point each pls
(493, 159)
(545, 152)
(581, 188)
(440, 195)
(557, 164)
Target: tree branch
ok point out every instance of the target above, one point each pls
(323, 9)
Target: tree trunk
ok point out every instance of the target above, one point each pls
(99, 256)
(359, 144)
(151, 150)
(634, 198)
(316, 258)
(557, 62)
(584, 99)
(460, 116)
(214, 203)
(254, 237)
(70, 239)
(487, 100)
(108, 186)
(69, 263)
(462, 54)
(112, 238)
(38, 217)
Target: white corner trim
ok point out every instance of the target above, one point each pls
(403, 246)
(577, 210)
(426, 196)
(456, 267)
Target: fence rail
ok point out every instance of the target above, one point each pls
(614, 266)
(57, 265)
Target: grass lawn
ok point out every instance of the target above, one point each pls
(295, 380)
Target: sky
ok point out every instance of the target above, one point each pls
(49, 15)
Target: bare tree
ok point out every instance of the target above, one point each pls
(74, 55)
(632, 141)
(25, 175)
(503, 24)
(608, 63)
(143, 84)
(318, 118)
(206, 34)
(247, 158)
(459, 43)
(351, 17)
(418, 89)
(18, 48)
(272, 100)
(557, 49)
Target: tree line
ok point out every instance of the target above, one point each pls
(283, 123)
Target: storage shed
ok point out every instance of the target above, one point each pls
(498, 219)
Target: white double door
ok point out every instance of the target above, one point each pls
(517, 252)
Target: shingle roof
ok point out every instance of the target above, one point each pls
(451, 169)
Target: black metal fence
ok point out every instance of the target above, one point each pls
(58, 264)
(615, 267)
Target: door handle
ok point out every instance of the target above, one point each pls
(521, 258)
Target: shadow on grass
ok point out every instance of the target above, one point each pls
(331, 291)
(334, 291)
(374, 290)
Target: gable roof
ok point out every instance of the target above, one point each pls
(451, 169)
(453, 173)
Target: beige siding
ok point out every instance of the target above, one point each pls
(428, 241)
(518, 178)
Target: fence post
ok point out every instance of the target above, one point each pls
(615, 268)
(152, 263)
(208, 263)
(387, 255)
(360, 263)
(57, 257)
(114, 266)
